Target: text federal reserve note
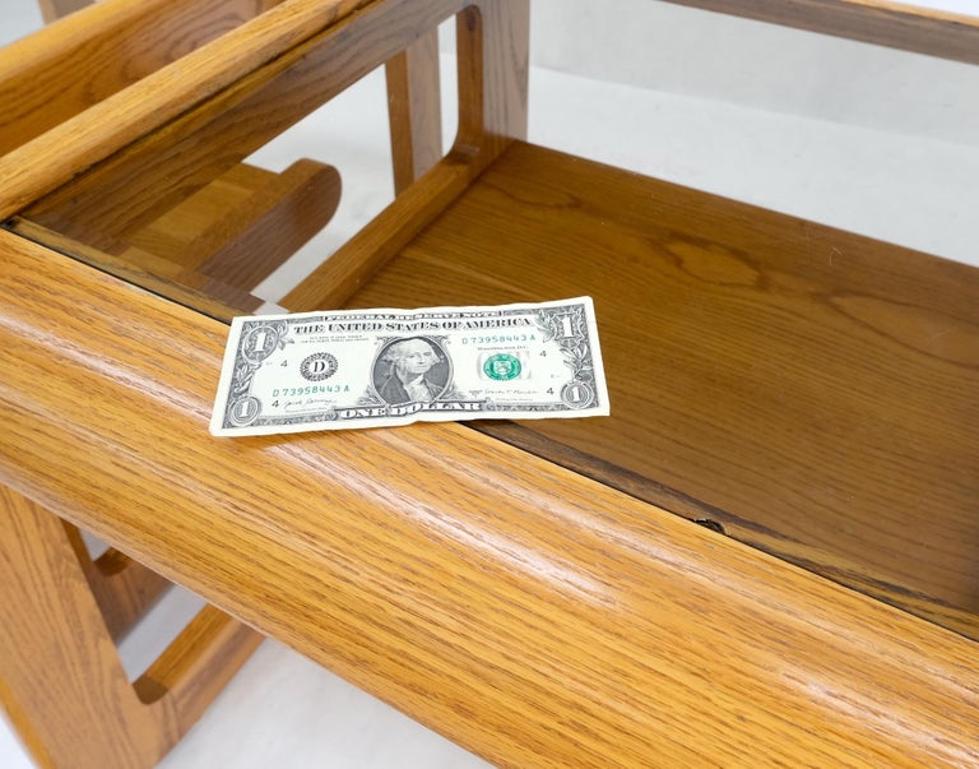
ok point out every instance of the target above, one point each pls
(383, 368)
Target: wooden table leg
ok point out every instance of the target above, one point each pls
(415, 110)
(52, 10)
(123, 589)
(61, 681)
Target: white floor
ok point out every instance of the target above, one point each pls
(282, 710)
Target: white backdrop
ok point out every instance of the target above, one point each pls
(664, 47)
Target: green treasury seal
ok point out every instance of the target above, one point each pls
(502, 367)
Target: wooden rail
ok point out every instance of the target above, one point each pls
(533, 616)
(61, 682)
(896, 25)
(67, 149)
(124, 192)
(54, 157)
(61, 70)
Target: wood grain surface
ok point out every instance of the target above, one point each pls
(123, 589)
(106, 205)
(180, 685)
(244, 224)
(153, 273)
(212, 248)
(220, 240)
(61, 682)
(54, 157)
(534, 616)
(179, 214)
(56, 73)
(120, 207)
(812, 391)
(56, 655)
(493, 60)
(906, 26)
(415, 109)
(52, 10)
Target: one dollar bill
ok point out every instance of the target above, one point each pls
(387, 367)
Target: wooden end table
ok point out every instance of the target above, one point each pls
(533, 591)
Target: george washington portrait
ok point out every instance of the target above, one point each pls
(411, 370)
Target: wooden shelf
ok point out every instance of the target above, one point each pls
(811, 391)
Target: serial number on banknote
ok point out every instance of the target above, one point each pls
(389, 367)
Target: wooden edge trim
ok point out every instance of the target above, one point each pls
(53, 158)
(895, 25)
(533, 616)
(59, 71)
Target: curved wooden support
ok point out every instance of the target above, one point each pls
(195, 668)
(61, 682)
(282, 212)
(123, 589)
(213, 248)
(493, 39)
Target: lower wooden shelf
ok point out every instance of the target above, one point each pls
(811, 391)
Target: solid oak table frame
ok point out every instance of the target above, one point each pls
(532, 614)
